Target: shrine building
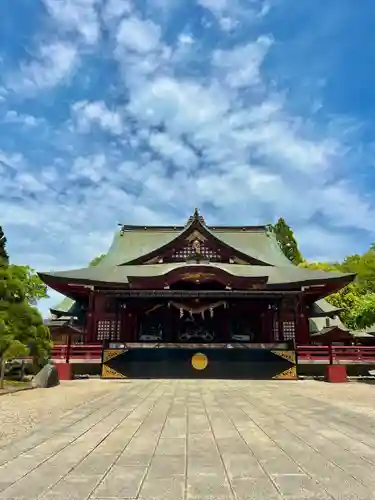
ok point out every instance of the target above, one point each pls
(194, 287)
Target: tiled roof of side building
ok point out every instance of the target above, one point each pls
(323, 308)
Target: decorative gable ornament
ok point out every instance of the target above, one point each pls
(196, 217)
(196, 246)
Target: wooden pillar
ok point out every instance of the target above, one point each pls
(264, 334)
(267, 323)
(123, 315)
(128, 333)
(68, 348)
(302, 325)
(117, 321)
(91, 319)
(224, 324)
(280, 320)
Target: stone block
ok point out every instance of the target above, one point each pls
(47, 377)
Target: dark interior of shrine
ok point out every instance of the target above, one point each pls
(200, 321)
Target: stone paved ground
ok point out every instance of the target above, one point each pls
(154, 440)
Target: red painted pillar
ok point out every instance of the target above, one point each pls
(302, 324)
(267, 325)
(128, 333)
(64, 371)
(336, 374)
(91, 319)
(280, 320)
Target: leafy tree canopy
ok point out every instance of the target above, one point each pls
(287, 241)
(33, 286)
(357, 300)
(22, 329)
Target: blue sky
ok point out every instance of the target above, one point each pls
(138, 111)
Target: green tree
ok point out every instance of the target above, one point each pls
(349, 299)
(4, 258)
(287, 241)
(95, 261)
(351, 264)
(321, 266)
(33, 286)
(365, 311)
(365, 269)
(21, 325)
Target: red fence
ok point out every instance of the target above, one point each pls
(336, 354)
(306, 354)
(87, 352)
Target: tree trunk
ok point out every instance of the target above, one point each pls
(2, 372)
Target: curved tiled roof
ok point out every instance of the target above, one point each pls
(121, 274)
(257, 243)
(133, 243)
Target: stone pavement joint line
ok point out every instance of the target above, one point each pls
(201, 440)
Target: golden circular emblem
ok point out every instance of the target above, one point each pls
(199, 361)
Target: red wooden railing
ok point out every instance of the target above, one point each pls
(336, 353)
(77, 351)
(305, 353)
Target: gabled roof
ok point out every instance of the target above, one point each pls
(329, 329)
(123, 274)
(66, 307)
(254, 242)
(318, 324)
(322, 308)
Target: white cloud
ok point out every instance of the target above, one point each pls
(79, 16)
(185, 39)
(54, 63)
(185, 124)
(185, 106)
(138, 35)
(344, 207)
(12, 116)
(115, 9)
(241, 66)
(321, 244)
(91, 167)
(11, 161)
(282, 141)
(173, 150)
(89, 113)
(230, 13)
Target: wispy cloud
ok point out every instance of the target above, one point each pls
(12, 116)
(137, 113)
(88, 114)
(138, 35)
(52, 65)
(230, 13)
(115, 9)
(241, 66)
(76, 16)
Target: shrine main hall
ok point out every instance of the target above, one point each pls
(164, 294)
